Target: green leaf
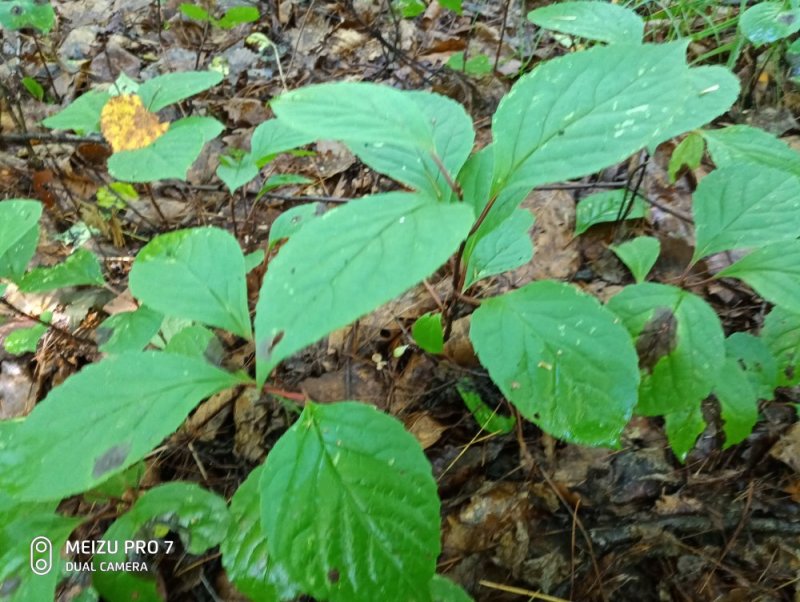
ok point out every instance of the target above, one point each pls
(198, 13)
(106, 418)
(453, 137)
(80, 268)
(18, 14)
(773, 271)
(291, 220)
(680, 344)
(376, 536)
(781, 334)
(356, 112)
(757, 361)
(282, 179)
(454, 5)
(237, 16)
(476, 65)
(198, 516)
(683, 428)
(639, 255)
(601, 105)
(244, 551)
(444, 590)
(274, 136)
(504, 248)
(606, 206)
(129, 330)
(409, 8)
(170, 156)
(428, 334)
(594, 20)
(745, 205)
(25, 340)
(768, 22)
(197, 274)
(81, 115)
(688, 153)
(741, 143)
(253, 260)
(19, 235)
(33, 87)
(348, 262)
(170, 88)
(22, 528)
(196, 341)
(236, 171)
(561, 359)
(738, 401)
(486, 418)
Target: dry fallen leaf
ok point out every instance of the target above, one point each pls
(127, 125)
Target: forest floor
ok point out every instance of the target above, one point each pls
(523, 514)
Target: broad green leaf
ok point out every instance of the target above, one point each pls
(170, 88)
(745, 205)
(253, 260)
(594, 20)
(81, 115)
(18, 14)
(193, 11)
(427, 332)
(80, 268)
(19, 235)
(197, 274)
(712, 91)
(356, 112)
(742, 143)
(738, 401)
(444, 590)
(348, 262)
(680, 344)
(291, 220)
(561, 359)
(773, 271)
(781, 334)
(196, 341)
(477, 65)
(688, 153)
(273, 137)
(768, 22)
(683, 428)
(198, 516)
(454, 5)
(237, 16)
(486, 418)
(504, 248)
(129, 330)
(106, 418)
(607, 206)
(31, 537)
(475, 178)
(236, 171)
(244, 551)
(170, 156)
(409, 8)
(376, 536)
(639, 255)
(579, 113)
(25, 340)
(757, 361)
(453, 137)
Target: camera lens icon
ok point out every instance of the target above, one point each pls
(41, 555)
